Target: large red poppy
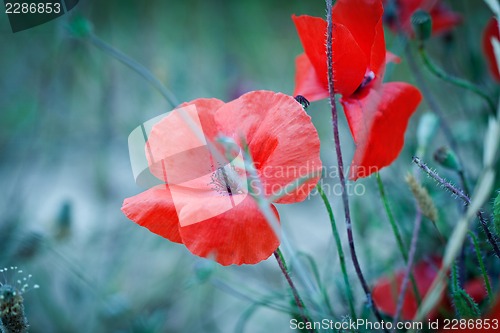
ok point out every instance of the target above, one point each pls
(491, 31)
(443, 19)
(284, 145)
(387, 289)
(377, 113)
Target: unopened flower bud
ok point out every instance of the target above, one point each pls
(422, 24)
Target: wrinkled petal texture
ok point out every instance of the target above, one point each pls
(386, 291)
(239, 236)
(284, 145)
(169, 144)
(378, 122)
(349, 60)
(281, 138)
(307, 82)
(491, 31)
(154, 210)
(363, 19)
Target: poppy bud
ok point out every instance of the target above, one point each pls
(80, 27)
(63, 222)
(422, 24)
(447, 158)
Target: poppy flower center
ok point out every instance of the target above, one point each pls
(226, 181)
(367, 79)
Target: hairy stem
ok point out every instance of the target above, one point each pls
(481, 264)
(336, 137)
(340, 251)
(459, 193)
(298, 300)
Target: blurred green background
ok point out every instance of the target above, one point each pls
(66, 109)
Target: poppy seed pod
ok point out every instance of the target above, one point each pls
(12, 318)
(422, 25)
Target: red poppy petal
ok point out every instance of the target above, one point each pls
(443, 19)
(476, 289)
(281, 138)
(386, 291)
(494, 312)
(363, 19)
(491, 31)
(154, 210)
(378, 122)
(174, 150)
(238, 236)
(307, 82)
(178, 148)
(349, 61)
(391, 57)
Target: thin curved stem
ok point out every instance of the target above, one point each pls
(431, 100)
(397, 234)
(135, 66)
(409, 266)
(340, 251)
(481, 265)
(340, 163)
(459, 82)
(298, 300)
(460, 194)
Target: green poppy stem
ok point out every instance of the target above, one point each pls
(456, 81)
(340, 251)
(481, 264)
(460, 194)
(397, 234)
(408, 275)
(298, 300)
(135, 66)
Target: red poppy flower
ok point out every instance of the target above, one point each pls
(386, 290)
(193, 210)
(377, 113)
(443, 19)
(491, 31)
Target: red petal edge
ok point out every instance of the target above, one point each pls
(154, 210)
(378, 122)
(239, 236)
